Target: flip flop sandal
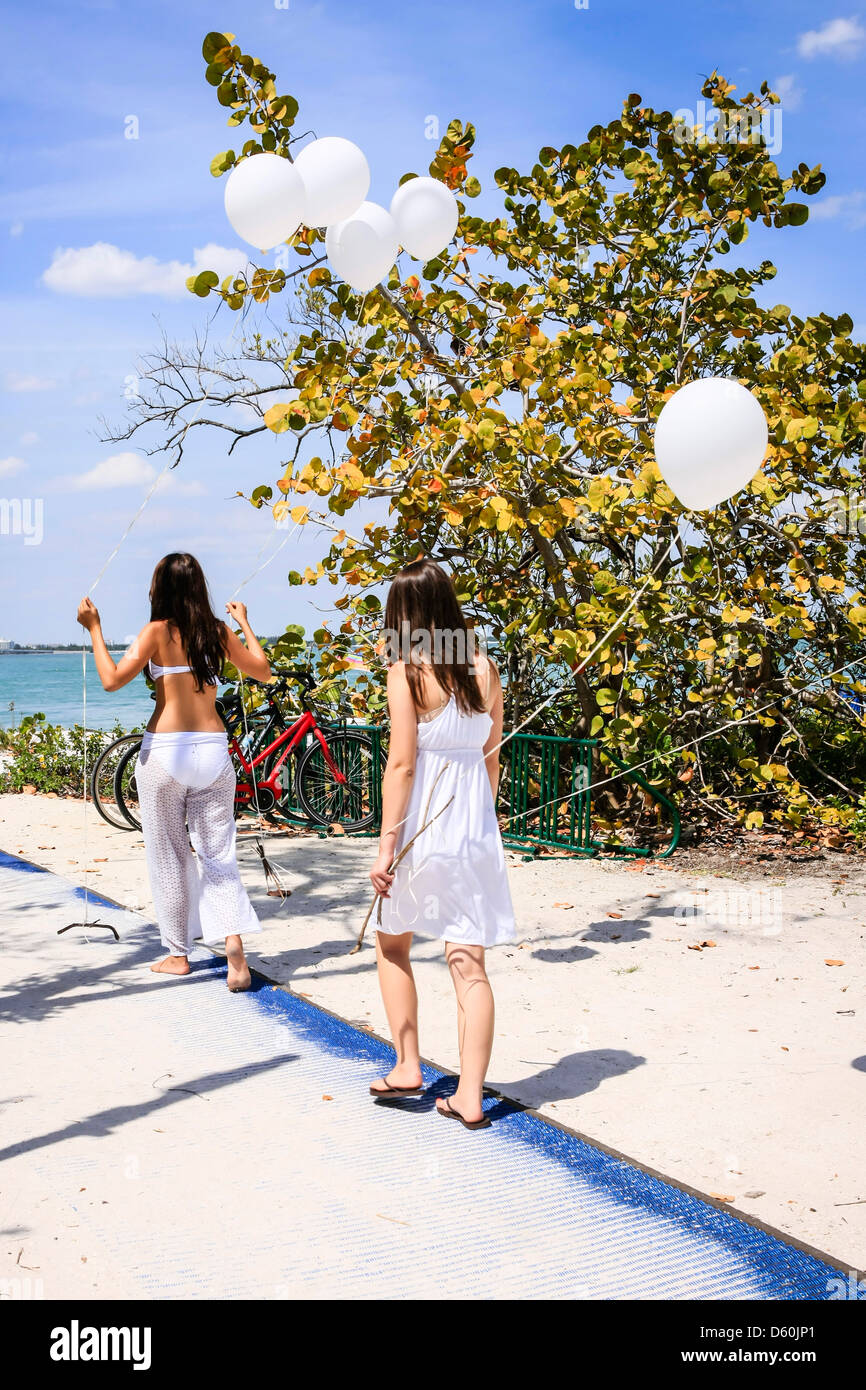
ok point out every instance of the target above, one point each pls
(452, 1114)
(379, 1092)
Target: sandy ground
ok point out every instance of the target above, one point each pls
(736, 1068)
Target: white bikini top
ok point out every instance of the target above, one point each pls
(157, 671)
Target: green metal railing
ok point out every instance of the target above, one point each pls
(545, 793)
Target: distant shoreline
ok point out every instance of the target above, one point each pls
(55, 651)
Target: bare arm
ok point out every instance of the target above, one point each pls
(134, 659)
(249, 658)
(399, 772)
(491, 747)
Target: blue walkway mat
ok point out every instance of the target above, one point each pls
(342, 1197)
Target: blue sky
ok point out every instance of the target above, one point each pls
(526, 74)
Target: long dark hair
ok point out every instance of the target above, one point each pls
(179, 596)
(422, 600)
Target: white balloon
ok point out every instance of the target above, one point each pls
(426, 213)
(362, 248)
(336, 178)
(710, 441)
(264, 199)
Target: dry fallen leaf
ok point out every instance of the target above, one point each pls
(617, 915)
(616, 936)
(563, 904)
(754, 967)
(722, 1196)
(834, 962)
(694, 948)
(327, 1097)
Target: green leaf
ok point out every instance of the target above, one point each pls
(487, 434)
(284, 109)
(203, 283)
(221, 162)
(215, 43)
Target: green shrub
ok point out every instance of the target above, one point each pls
(49, 757)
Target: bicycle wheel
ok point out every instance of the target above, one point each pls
(125, 793)
(102, 791)
(325, 801)
(287, 805)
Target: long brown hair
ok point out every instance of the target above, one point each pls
(422, 600)
(179, 596)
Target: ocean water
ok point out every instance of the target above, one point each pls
(51, 684)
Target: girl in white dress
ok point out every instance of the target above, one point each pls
(445, 706)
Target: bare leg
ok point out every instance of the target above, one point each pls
(475, 1015)
(400, 998)
(238, 977)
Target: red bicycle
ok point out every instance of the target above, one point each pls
(335, 778)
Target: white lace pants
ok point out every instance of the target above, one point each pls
(198, 895)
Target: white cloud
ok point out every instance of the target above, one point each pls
(103, 271)
(16, 229)
(179, 487)
(11, 465)
(839, 38)
(786, 87)
(131, 470)
(120, 470)
(21, 382)
(850, 206)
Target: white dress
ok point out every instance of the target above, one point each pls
(452, 884)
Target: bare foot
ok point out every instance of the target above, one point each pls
(238, 977)
(405, 1077)
(171, 965)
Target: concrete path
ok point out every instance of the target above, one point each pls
(166, 1139)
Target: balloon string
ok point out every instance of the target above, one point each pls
(84, 789)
